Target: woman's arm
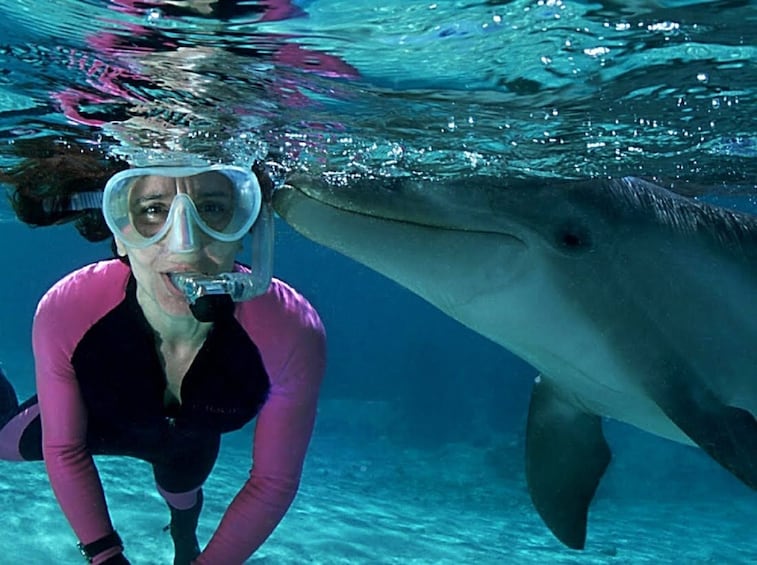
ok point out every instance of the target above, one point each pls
(282, 435)
(70, 468)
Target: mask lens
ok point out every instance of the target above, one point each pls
(215, 200)
(140, 206)
(151, 199)
(150, 204)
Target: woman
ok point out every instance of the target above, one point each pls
(125, 365)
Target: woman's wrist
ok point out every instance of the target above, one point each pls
(108, 549)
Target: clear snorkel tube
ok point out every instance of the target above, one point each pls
(240, 286)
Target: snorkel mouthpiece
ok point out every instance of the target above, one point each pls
(238, 286)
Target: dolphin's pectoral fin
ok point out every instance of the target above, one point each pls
(566, 456)
(727, 433)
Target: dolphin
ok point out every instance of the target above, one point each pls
(632, 302)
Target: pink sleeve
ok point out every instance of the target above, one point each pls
(293, 348)
(60, 322)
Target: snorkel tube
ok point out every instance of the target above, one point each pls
(209, 294)
(239, 286)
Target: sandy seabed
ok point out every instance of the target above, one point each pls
(366, 499)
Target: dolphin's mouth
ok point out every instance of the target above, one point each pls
(337, 199)
(333, 199)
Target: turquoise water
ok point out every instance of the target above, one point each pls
(417, 456)
(524, 87)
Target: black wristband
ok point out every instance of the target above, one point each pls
(90, 550)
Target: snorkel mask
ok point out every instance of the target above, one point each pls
(142, 206)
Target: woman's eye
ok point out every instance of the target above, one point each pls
(215, 213)
(212, 208)
(153, 212)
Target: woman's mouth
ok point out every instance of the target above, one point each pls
(174, 282)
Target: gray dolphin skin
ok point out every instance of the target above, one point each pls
(632, 302)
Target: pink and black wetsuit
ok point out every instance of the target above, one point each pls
(101, 390)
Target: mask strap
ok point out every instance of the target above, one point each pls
(74, 203)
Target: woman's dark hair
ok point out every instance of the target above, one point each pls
(50, 172)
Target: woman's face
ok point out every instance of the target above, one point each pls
(185, 248)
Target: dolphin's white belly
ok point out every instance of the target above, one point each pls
(601, 385)
(616, 397)
(566, 349)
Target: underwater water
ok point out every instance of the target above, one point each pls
(417, 455)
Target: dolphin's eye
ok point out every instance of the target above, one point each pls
(573, 238)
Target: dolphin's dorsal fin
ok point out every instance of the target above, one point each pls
(566, 456)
